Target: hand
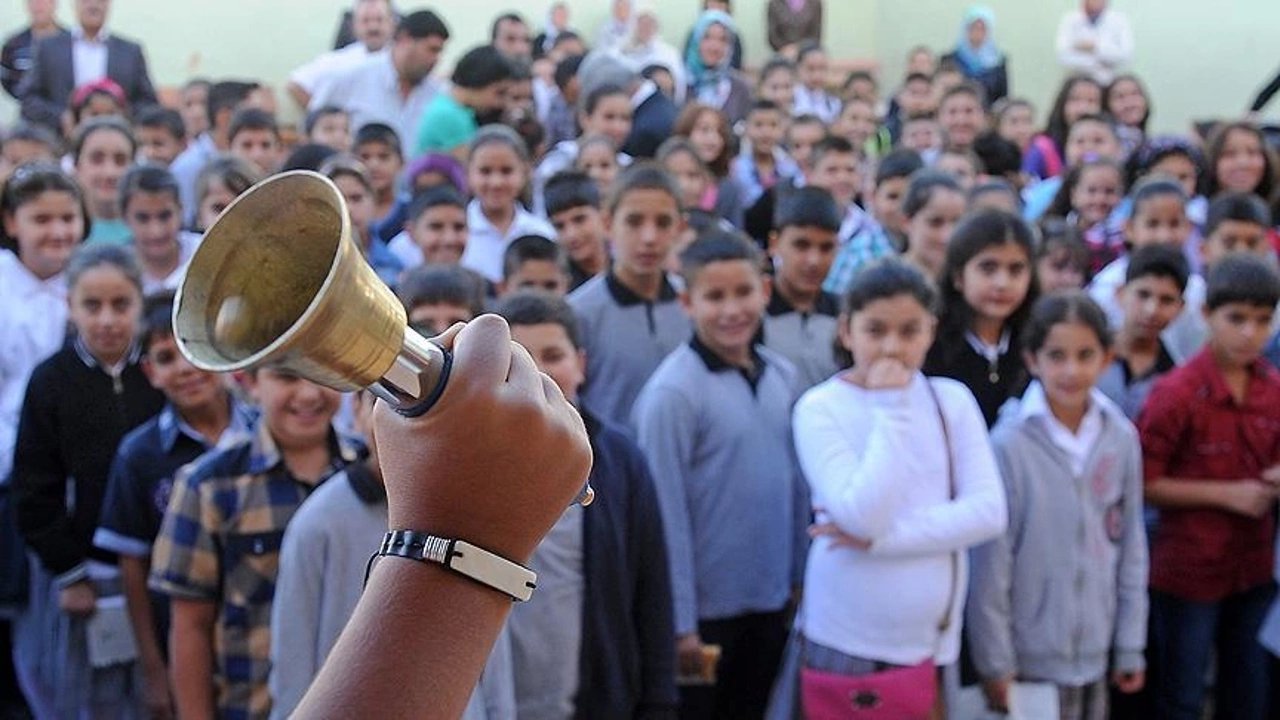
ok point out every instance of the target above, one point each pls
(997, 692)
(1251, 498)
(155, 691)
(689, 654)
(1129, 682)
(78, 599)
(498, 458)
(888, 374)
(839, 538)
(1272, 475)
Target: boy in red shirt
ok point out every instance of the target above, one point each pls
(1211, 444)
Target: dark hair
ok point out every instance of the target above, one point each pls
(922, 187)
(1241, 278)
(30, 132)
(1159, 261)
(380, 133)
(856, 75)
(157, 319)
(1217, 144)
(344, 165)
(967, 87)
(917, 77)
(27, 182)
(994, 187)
(899, 163)
(435, 197)
(94, 125)
(163, 118)
(1155, 150)
(807, 207)
(539, 307)
(564, 37)
(1061, 205)
(252, 119)
(421, 25)
(567, 70)
(227, 95)
(832, 144)
(999, 156)
(88, 257)
(504, 17)
(1142, 90)
(498, 134)
(1106, 121)
(677, 145)
(976, 232)
(713, 246)
(1240, 207)
(441, 285)
(1153, 187)
(308, 157)
(588, 103)
(968, 155)
(807, 48)
(644, 175)
(762, 105)
(235, 174)
(689, 117)
(148, 179)
(776, 63)
(1057, 126)
(1074, 307)
(807, 119)
(531, 248)
(315, 116)
(570, 189)
(1056, 234)
(889, 278)
(481, 67)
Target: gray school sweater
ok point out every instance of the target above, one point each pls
(733, 506)
(807, 339)
(625, 338)
(1064, 590)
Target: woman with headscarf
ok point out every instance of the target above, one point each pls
(976, 54)
(712, 79)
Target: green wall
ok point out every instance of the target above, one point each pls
(1199, 60)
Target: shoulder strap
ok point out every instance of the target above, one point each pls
(945, 623)
(1049, 151)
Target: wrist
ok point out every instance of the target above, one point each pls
(484, 567)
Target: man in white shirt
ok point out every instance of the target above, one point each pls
(393, 87)
(373, 22)
(1095, 40)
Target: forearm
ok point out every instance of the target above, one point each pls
(133, 576)
(191, 669)
(1185, 493)
(445, 622)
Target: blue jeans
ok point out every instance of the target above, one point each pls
(1185, 634)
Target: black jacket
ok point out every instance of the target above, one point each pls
(628, 657)
(651, 124)
(46, 88)
(73, 418)
(953, 357)
(995, 81)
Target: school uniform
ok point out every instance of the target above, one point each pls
(625, 338)
(806, 338)
(1128, 390)
(1184, 337)
(186, 169)
(862, 242)
(74, 415)
(486, 245)
(188, 243)
(1211, 570)
(753, 185)
(220, 542)
(718, 438)
(1061, 596)
(992, 373)
(323, 559)
(597, 639)
(816, 102)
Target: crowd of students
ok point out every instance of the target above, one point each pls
(877, 384)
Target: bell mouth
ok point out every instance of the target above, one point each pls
(260, 271)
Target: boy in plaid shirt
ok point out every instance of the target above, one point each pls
(218, 550)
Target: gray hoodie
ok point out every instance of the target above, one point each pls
(1064, 590)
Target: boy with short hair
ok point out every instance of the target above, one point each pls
(200, 415)
(161, 135)
(802, 134)
(435, 229)
(1151, 298)
(534, 262)
(962, 114)
(836, 169)
(800, 321)
(573, 207)
(1211, 460)
(437, 297)
(886, 235)
(923, 134)
(762, 164)
(378, 147)
(597, 640)
(26, 143)
(217, 553)
(323, 561)
(254, 137)
(329, 126)
(962, 164)
(715, 422)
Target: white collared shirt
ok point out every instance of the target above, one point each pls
(486, 246)
(188, 242)
(370, 92)
(1077, 445)
(33, 325)
(88, 57)
(322, 69)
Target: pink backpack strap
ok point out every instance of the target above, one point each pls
(1048, 151)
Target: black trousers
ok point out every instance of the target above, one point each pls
(750, 651)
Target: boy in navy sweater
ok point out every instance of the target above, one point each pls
(715, 423)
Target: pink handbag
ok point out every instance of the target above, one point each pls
(908, 693)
